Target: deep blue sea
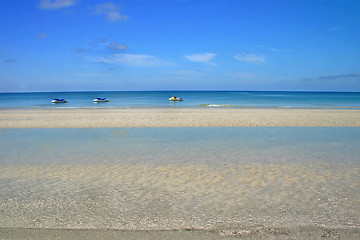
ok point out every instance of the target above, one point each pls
(192, 99)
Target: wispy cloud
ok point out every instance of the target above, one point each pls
(337, 82)
(201, 57)
(274, 49)
(139, 60)
(280, 49)
(82, 50)
(55, 4)
(110, 10)
(333, 29)
(250, 58)
(340, 76)
(10, 60)
(102, 40)
(114, 46)
(243, 75)
(189, 73)
(185, 74)
(41, 35)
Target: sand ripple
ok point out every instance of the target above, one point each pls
(141, 196)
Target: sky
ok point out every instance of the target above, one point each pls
(129, 45)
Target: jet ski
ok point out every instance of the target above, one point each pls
(101, 100)
(57, 100)
(173, 99)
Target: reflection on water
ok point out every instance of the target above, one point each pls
(175, 178)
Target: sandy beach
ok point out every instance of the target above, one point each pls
(90, 118)
(179, 202)
(261, 201)
(306, 233)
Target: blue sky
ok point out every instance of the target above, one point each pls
(80, 45)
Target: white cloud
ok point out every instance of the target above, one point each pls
(116, 46)
(139, 60)
(55, 4)
(250, 58)
(200, 57)
(110, 10)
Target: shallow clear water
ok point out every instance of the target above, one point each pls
(179, 145)
(176, 178)
(146, 99)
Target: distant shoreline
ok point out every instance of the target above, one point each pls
(184, 117)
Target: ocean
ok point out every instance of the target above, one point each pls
(192, 99)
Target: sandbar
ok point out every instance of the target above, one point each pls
(212, 117)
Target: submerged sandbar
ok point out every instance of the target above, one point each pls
(89, 118)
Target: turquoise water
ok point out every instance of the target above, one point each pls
(197, 99)
(179, 145)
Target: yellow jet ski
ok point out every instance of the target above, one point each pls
(174, 99)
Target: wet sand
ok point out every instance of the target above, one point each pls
(89, 118)
(307, 233)
(277, 193)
